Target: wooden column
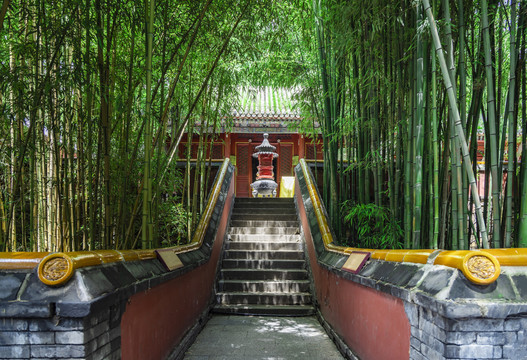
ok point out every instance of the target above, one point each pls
(301, 146)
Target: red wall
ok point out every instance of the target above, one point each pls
(373, 324)
(156, 320)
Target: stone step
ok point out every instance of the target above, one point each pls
(264, 230)
(263, 268)
(262, 264)
(264, 238)
(264, 200)
(237, 298)
(267, 246)
(263, 223)
(287, 206)
(264, 274)
(271, 216)
(264, 211)
(287, 286)
(269, 310)
(264, 254)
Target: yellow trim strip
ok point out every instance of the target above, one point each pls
(57, 268)
(20, 260)
(480, 267)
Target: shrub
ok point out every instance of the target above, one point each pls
(371, 226)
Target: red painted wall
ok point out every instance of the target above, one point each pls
(373, 324)
(156, 320)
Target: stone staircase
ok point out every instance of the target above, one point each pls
(263, 269)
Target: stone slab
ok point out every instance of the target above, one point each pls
(256, 337)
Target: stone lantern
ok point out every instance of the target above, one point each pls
(265, 185)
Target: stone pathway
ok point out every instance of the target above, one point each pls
(256, 337)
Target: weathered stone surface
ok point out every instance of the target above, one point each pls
(415, 354)
(498, 352)
(510, 337)
(10, 283)
(25, 309)
(57, 351)
(56, 324)
(480, 324)
(458, 309)
(415, 343)
(436, 280)
(432, 329)
(432, 342)
(460, 337)
(14, 352)
(13, 324)
(512, 324)
(472, 351)
(515, 351)
(42, 338)
(70, 337)
(13, 338)
(412, 311)
(491, 338)
(402, 274)
(431, 353)
(521, 284)
(522, 336)
(501, 289)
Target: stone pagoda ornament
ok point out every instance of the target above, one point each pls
(265, 186)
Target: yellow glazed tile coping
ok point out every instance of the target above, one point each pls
(20, 260)
(510, 257)
(57, 268)
(418, 256)
(481, 267)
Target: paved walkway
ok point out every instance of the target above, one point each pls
(237, 337)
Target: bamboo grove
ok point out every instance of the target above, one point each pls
(406, 90)
(95, 96)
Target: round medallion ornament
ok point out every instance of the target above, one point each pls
(55, 269)
(481, 268)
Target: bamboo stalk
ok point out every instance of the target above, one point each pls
(458, 126)
(492, 120)
(146, 229)
(512, 134)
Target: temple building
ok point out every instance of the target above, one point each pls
(261, 110)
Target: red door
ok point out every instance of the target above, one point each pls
(243, 170)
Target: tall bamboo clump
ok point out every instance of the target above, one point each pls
(92, 95)
(423, 128)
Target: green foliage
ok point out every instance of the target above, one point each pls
(172, 223)
(371, 226)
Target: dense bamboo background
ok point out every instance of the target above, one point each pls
(95, 96)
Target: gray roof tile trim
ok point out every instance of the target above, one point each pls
(266, 102)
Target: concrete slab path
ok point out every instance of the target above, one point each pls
(237, 337)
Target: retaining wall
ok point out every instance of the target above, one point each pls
(397, 310)
(128, 309)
